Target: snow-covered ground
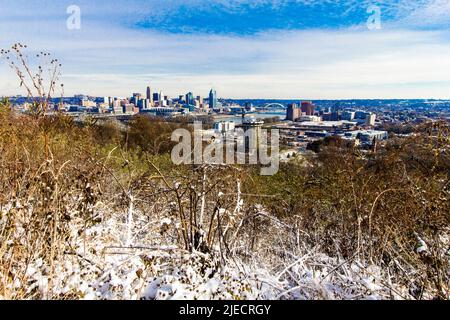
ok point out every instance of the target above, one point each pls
(102, 266)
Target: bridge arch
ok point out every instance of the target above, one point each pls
(268, 105)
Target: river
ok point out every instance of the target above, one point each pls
(238, 118)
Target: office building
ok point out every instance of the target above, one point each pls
(190, 99)
(370, 119)
(361, 115)
(117, 107)
(293, 112)
(365, 118)
(129, 108)
(348, 115)
(213, 99)
(200, 101)
(308, 108)
(143, 104)
(332, 116)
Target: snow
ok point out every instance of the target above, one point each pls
(166, 221)
(101, 267)
(422, 246)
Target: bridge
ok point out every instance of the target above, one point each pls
(270, 105)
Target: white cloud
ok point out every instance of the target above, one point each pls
(435, 13)
(315, 64)
(107, 59)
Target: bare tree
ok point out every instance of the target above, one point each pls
(40, 79)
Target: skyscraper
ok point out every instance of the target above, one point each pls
(308, 108)
(143, 104)
(213, 99)
(293, 112)
(149, 93)
(190, 99)
(135, 98)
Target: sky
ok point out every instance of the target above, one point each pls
(273, 49)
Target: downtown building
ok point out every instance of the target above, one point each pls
(308, 108)
(213, 103)
(293, 112)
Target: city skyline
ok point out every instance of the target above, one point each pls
(245, 50)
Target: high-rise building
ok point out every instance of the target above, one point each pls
(365, 117)
(155, 97)
(213, 99)
(332, 116)
(308, 108)
(370, 119)
(200, 101)
(252, 129)
(149, 93)
(362, 115)
(135, 98)
(190, 99)
(293, 112)
(117, 107)
(348, 115)
(143, 104)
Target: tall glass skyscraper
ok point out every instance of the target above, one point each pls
(190, 98)
(213, 99)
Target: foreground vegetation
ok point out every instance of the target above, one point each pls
(85, 205)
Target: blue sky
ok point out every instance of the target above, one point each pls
(245, 49)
